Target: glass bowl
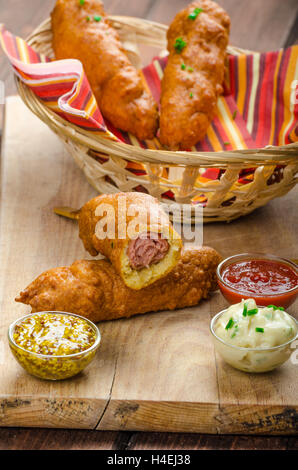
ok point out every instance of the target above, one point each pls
(52, 367)
(252, 359)
(234, 296)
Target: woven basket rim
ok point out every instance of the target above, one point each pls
(239, 158)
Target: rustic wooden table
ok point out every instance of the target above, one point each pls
(256, 25)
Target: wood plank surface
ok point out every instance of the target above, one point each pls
(256, 25)
(154, 372)
(59, 439)
(249, 21)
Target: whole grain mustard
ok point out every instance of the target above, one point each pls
(54, 345)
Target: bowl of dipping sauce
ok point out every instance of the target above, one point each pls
(53, 345)
(268, 279)
(252, 338)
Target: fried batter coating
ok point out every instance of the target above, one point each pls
(83, 32)
(194, 74)
(94, 290)
(122, 211)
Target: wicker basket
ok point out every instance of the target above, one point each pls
(226, 201)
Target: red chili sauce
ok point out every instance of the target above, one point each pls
(268, 282)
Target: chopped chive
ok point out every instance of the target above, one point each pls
(244, 313)
(234, 114)
(275, 307)
(235, 331)
(183, 66)
(179, 44)
(195, 13)
(88, 18)
(191, 95)
(253, 311)
(260, 330)
(81, 2)
(97, 18)
(227, 143)
(230, 324)
(190, 69)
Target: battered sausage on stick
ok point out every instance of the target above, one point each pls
(82, 31)
(94, 290)
(193, 77)
(144, 246)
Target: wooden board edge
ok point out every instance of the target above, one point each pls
(51, 412)
(132, 415)
(2, 133)
(199, 418)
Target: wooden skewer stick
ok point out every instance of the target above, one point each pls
(68, 212)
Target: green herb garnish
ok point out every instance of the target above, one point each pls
(260, 330)
(235, 331)
(179, 44)
(81, 2)
(227, 143)
(253, 311)
(234, 114)
(195, 13)
(97, 18)
(230, 324)
(244, 313)
(275, 307)
(190, 69)
(183, 66)
(191, 95)
(87, 18)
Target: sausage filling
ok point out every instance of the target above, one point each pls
(147, 249)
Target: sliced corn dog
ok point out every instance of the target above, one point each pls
(141, 252)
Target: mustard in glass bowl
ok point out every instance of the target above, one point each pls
(53, 345)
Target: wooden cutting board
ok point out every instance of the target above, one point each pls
(156, 372)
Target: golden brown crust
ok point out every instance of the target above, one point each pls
(117, 86)
(188, 99)
(123, 203)
(94, 290)
(126, 205)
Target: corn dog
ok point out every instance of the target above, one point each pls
(193, 77)
(94, 290)
(140, 256)
(81, 30)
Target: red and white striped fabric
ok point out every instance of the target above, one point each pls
(257, 108)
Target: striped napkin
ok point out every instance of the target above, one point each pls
(259, 106)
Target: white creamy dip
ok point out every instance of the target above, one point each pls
(251, 338)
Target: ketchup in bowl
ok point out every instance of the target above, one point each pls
(266, 278)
